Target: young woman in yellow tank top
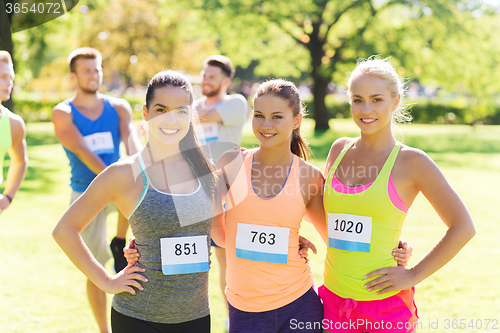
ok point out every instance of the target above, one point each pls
(371, 182)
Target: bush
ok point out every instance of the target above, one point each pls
(437, 113)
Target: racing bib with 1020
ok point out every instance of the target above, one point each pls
(349, 232)
(183, 255)
(262, 243)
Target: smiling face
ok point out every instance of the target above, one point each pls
(6, 81)
(371, 103)
(273, 121)
(169, 114)
(213, 81)
(88, 75)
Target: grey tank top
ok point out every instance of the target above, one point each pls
(168, 299)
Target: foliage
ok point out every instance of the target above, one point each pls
(425, 38)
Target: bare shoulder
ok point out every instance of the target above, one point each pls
(230, 156)
(310, 172)
(121, 105)
(122, 173)
(61, 108)
(17, 127)
(410, 155)
(416, 163)
(335, 150)
(338, 145)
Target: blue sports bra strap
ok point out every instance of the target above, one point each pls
(145, 177)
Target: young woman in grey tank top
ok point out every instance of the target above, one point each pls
(168, 191)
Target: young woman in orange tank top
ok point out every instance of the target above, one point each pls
(269, 287)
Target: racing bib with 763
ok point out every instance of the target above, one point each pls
(262, 243)
(349, 232)
(183, 255)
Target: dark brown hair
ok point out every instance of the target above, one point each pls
(288, 92)
(189, 145)
(82, 53)
(222, 62)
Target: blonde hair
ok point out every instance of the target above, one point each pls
(383, 69)
(5, 57)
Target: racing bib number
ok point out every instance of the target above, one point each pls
(262, 243)
(210, 131)
(100, 143)
(349, 232)
(182, 255)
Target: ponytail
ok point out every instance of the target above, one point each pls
(299, 145)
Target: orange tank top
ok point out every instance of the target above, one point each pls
(264, 270)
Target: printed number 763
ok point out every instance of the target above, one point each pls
(263, 237)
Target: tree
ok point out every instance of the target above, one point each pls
(333, 32)
(139, 39)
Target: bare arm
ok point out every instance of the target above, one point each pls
(71, 138)
(218, 232)
(78, 216)
(127, 130)
(431, 182)
(314, 194)
(18, 154)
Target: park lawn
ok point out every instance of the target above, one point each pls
(43, 292)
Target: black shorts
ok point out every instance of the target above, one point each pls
(121, 323)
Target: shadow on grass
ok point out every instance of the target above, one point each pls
(40, 177)
(40, 138)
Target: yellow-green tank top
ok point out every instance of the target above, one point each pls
(363, 228)
(5, 136)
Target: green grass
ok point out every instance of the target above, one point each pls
(43, 292)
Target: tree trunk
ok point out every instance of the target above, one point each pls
(6, 42)
(321, 115)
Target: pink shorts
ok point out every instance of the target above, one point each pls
(396, 314)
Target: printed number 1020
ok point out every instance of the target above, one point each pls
(347, 226)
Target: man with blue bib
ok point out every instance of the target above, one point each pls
(90, 126)
(12, 136)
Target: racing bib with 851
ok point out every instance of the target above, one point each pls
(182, 255)
(349, 232)
(262, 243)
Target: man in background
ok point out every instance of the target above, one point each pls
(222, 117)
(90, 126)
